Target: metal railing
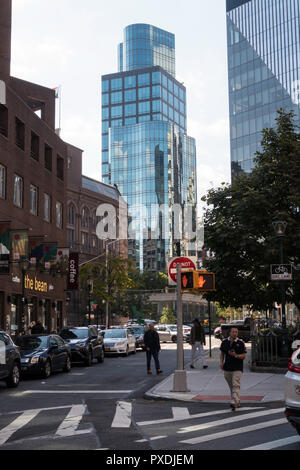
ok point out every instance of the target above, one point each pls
(266, 349)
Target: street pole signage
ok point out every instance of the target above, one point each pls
(187, 264)
(73, 276)
(281, 272)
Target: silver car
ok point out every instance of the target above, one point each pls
(292, 391)
(119, 341)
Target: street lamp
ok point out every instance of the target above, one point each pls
(280, 229)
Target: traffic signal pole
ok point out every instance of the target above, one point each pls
(180, 375)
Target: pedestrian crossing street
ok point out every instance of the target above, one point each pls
(170, 427)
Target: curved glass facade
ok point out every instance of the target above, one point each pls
(264, 71)
(147, 46)
(145, 147)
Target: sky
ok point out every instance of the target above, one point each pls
(71, 43)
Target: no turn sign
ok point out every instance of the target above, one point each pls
(186, 265)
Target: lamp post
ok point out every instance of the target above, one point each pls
(280, 229)
(90, 284)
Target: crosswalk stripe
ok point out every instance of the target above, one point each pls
(275, 444)
(122, 417)
(199, 415)
(180, 413)
(70, 424)
(17, 424)
(234, 419)
(234, 432)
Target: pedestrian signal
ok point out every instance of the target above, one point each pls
(187, 280)
(204, 282)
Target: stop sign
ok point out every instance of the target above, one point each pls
(186, 265)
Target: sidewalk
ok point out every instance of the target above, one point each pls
(209, 385)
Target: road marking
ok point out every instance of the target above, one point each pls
(234, 419)
(233, 432)
(276, 444)
(17, 424)
(122, 417)
(199, 415)
(155, 438)
(70, 424)
(180, 413)
(62, 392)
(38, 410)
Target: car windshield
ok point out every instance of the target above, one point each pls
(30, 343)
(75, 333)
(137, 330)
(114, 334)
(173, 328)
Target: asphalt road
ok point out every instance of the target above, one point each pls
(103, 407)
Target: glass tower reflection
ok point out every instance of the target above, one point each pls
(145, 147)
(264, 71)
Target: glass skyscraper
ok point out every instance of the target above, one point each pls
(145, 147)
(264, 71)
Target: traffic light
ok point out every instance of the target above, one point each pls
(187, 280)
(203, 281)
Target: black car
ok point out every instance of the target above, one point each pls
(10, 361)
(138, 332)
(43, 354)
(85, 342)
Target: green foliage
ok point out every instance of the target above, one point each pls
(238, 223)
(168, 317)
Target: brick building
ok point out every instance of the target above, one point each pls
(85, 195)
(32, 193)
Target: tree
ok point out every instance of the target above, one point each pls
(238, 223)
(111, 282)
(168, 317)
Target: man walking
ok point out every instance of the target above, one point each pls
(152, 343)
(197, 341)
(233, 353)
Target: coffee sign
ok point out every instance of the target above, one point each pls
(73, 271)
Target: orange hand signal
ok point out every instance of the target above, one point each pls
(184, 281)
(201, 282)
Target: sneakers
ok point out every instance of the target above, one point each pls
(233, 406)
(159, 372)
(205, 367)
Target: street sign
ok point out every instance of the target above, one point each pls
(187, 264)
(281, 272)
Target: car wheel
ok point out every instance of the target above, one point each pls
(134, 351)
(68, 365)
(101, 357)
(47, 370)
(14, 376)
(174, 339)
(126, 354)
(89, 360)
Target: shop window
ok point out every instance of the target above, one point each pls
(20, 134)
(3, 120)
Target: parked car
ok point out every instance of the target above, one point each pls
(217, 332)
(243, 326)
(292, 391)
(138, 332)
(43, 354)
(169, 333)
(86, 344)
(10, 361)
(119, 341)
